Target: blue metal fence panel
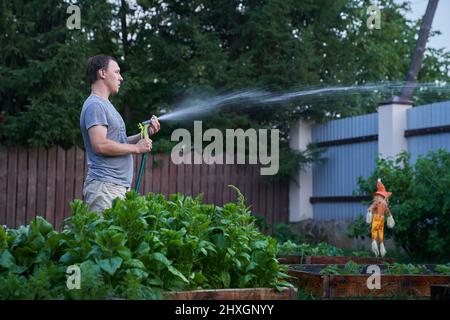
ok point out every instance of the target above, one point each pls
(343, 164)
(421, 145)
(338, 174)
(432, 115)
(346, 128)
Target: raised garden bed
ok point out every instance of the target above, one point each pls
(297, 259)
(290, 259)
(334, 286)
(234, 294)
(440, 292)
(290, 252)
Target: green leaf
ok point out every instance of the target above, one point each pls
(90, 267)
(3, 239)
(158, 256)
(259, 245)
(138, 273)
(124, 252)
(7, 260)
(68, 258)
(110, 265)
(443, 269)
(177, 273)
(231, 252)
(225, 278)
(143, 249)
(135, 263)
(155, 282)
(37, 241)
(244, 280)
(41, 225)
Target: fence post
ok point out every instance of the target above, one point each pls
(392, 123)
(301, 185)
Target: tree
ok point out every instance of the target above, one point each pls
(170, 50)
(42, 67)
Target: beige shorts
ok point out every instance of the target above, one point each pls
(99, 195)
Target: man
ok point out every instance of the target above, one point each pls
(109, 150)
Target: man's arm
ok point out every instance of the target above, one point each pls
(134, 139)
(107, 147)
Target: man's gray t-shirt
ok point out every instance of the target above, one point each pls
(115, 169)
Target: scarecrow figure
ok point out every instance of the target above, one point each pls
(375, 216)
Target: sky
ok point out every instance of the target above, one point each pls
(441, 21)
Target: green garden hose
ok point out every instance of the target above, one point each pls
(144, 134)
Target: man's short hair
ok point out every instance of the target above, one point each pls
(94, 64)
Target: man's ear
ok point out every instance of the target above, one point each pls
(101, 73)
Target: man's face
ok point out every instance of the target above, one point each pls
(112, 77)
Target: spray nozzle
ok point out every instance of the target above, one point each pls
(147, 122)
(143, 127)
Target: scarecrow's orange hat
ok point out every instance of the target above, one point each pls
(381, 190)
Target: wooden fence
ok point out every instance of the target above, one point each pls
(41, 181)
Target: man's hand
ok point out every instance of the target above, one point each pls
(144, 146)
(154, 127)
